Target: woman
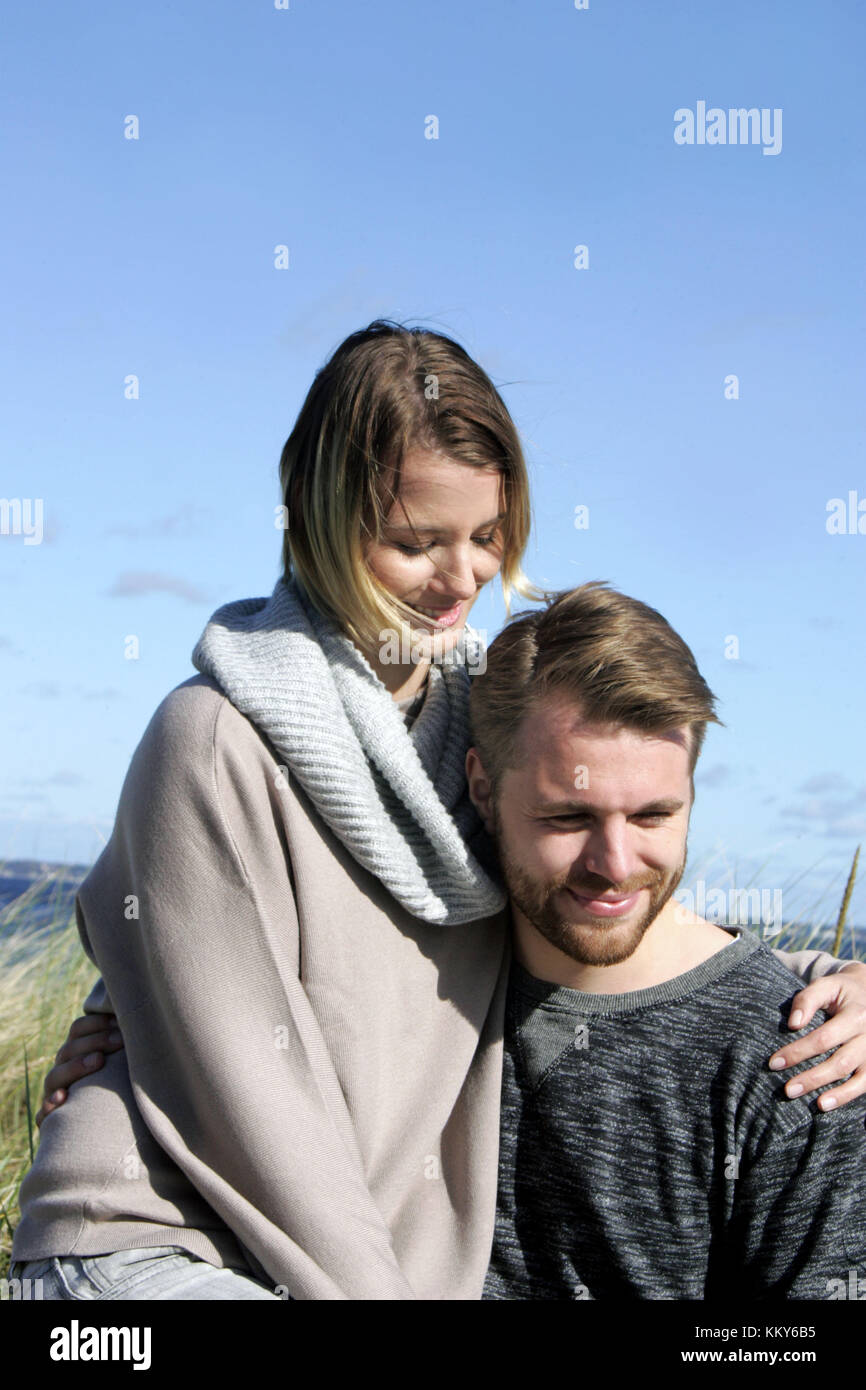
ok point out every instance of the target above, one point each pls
(296, 917)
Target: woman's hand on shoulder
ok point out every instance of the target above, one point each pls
(83, 1052)
(842, 996)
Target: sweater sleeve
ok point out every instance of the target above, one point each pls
(798, 1227)
(810, 965)
(226, 1058)
(97, 1001)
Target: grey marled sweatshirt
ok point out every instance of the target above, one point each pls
(648, 1153)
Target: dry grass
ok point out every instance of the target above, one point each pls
(43, 984)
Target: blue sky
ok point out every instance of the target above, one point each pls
(306, 127)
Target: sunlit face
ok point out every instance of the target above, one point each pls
(591, 830)
(441, 543)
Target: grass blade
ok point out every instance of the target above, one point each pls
(846, 899)
(28, 1104)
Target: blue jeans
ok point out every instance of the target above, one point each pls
(162, 1272)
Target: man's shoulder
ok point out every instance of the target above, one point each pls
(757, 995)
(768, 977)
(757, 992)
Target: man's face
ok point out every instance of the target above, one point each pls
(591, 830)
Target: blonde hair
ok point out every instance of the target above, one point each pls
(385, 390)
(616, 657)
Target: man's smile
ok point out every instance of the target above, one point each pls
(608, 905)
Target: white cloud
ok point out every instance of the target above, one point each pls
(138, 583)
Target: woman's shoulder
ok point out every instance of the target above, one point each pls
(201, 772)
(197, 718)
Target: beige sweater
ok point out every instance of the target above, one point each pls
(314, 1073)
(320, 1069)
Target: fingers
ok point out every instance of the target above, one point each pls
(849, 1061)
(835, 1031)
(95, 1033)
(91, 1023)
(49, 1103)
(83, 1052)
(818, 995)
(840, 1095)
(63, 1074)
(78, 1057)
(841, 988)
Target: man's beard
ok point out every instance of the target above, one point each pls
(595, 940)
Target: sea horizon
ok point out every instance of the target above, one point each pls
(37, 894)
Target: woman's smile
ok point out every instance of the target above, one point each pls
(442, 617)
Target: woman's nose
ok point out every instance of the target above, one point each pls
(458, 574)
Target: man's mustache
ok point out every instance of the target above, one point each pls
(596, 887)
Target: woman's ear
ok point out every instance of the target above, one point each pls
(479, 788)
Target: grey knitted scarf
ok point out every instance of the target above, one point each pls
(395, 797)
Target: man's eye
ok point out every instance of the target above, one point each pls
(655, 817)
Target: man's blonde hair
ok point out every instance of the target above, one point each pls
(616, 657)
(388, 389)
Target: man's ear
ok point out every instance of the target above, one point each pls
(479, 788)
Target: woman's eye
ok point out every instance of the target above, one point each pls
(413, 549)
(483, 541)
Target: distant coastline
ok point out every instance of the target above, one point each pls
(35, 895)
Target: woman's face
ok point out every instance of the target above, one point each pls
(441, 542)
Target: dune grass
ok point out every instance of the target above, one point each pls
(45, 978)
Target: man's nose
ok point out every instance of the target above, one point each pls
(607, 854)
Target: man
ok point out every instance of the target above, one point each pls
(647, 1152)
